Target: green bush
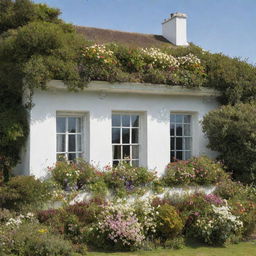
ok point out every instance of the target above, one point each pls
(197, 170)
(169, 223)
(22, 192)
(231, 132)
(33, 239)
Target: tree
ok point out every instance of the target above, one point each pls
(35, 46)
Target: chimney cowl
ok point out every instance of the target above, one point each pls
(178, 14)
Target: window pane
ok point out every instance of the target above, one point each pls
(71, 157)
(135, 120)
(126, 152)
(79, 142)
(172, 118)
(187, 130)
(126, 120)
(179, 118)
(172, 156)
(135, 152)
(116, 135)
(172, 130)
(135, 163)
(178, 143)
(187, 155)
(116, 120)
(116, 152)
(179, 155)
(61, 124)
(188, 143)
(172, 144)
(126, 135)
(79, 124)
(187, 119)
(135, 135)
(61, 142)
(72, 124)
(71, 143)
(178, 129)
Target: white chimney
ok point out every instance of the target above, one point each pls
(174, 29)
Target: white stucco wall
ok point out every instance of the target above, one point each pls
(97, 107)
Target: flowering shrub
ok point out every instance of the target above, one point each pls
(124, 179)
(65, 174)
(191, 62)
(98, 53)
(197, 170)
(158, 59)
(119, 227)
(147, 215)
(246, 211)
(80, 175)
(218, 226)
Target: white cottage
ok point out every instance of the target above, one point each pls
(145, 124)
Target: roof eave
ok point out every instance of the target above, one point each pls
(138, 88)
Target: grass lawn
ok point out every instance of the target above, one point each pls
(241, 249)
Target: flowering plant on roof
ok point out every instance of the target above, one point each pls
(158, 59)
(98, 53)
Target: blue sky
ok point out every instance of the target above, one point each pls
(227, 26)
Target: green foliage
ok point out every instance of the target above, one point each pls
(35, 46)
(16, 13)
(33, 239)
(197, 170)
(22, 192)
(169, 223)
(231, 131)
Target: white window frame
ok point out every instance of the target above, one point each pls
(130, 144)
(174, 136)
(78, 153)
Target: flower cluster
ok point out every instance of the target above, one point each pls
(214, 199)
(197, 170)
(99, 53)
(120, 225)
(159, 59)
(218, 226)
(146, 214)
(189, 60)
(15, 222)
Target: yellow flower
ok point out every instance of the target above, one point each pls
(42, 230)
